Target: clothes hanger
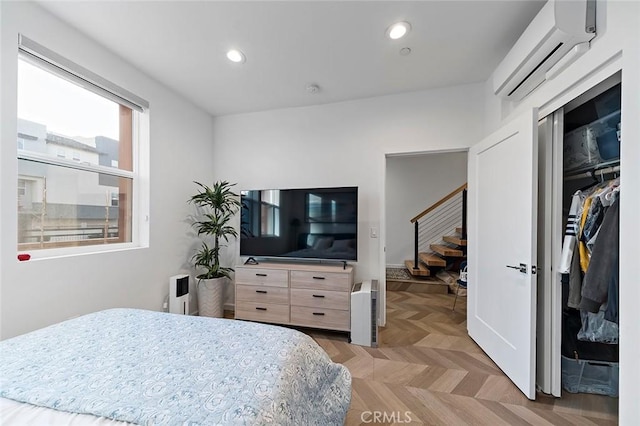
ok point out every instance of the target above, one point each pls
(592, 174)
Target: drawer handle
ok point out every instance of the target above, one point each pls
(261, 275)
(261, 309)
(318, 313)
(261, 291)
(318, 295)
(318, 278)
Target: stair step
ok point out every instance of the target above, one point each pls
(432, 259)
(446, 250)
(454, 240)
(459, 230)
(421, 271)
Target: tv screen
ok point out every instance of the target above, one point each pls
(311, 223)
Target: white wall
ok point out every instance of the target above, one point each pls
(345, 144)
(40, 292)
(616, 47)
(414, 183)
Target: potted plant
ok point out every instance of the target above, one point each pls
(217, 206)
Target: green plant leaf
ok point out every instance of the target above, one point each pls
(218, 204)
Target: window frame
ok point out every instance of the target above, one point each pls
(269, 212)
(55, 64)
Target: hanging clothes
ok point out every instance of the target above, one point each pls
(613, 300)
(593, 222)
(595, 286)
(575, 283)
(596, 328)
(593, 212)
(590, 271)
(571, 232)
(582, 247)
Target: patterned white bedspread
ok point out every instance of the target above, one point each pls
(148, 367)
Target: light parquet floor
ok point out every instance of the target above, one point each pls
(428, 371)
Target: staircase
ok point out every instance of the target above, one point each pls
(440, 235)
(452, 247)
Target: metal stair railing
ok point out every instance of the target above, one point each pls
(439, 219)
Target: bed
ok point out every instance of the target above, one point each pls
(325, 246)
(143, 367)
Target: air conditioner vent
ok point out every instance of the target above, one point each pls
(534, 70)
(548, 45)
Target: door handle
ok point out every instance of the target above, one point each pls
(522, 268)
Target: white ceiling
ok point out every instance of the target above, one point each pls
(338, 45)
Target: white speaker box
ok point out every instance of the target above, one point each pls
(179, 294)
(364, 314)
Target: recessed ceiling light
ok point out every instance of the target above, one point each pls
(313, 88)
(236, 56)
(398, 30)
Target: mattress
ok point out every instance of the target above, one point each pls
(19, 413)
(146, 367)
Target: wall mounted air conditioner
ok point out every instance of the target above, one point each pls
(557, 36)
(364, 313)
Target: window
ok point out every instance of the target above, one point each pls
(261, 213)
(76, 175)
(270, 213)
(23, 186)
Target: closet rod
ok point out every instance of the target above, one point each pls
(594, 173)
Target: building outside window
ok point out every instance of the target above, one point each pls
(85, 198)
(270, 206)
(260, 215)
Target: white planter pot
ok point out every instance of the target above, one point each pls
(211, 297)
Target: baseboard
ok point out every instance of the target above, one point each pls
(227, 307)
(418, 287)
(396, 266)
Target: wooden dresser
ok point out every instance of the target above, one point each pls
(306, 295)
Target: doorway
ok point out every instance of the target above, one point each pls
(414, 182)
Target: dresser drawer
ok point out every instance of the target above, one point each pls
(321, 280)
(265, 312)
(262, 276)
(320, 298)
(262, 294)
(331, 319)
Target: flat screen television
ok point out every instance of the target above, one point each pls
(309, 223)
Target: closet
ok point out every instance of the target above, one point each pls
(521, 182)
(578, 223)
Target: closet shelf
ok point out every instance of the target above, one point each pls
(604, 168)
(595, 144)
(608, 121)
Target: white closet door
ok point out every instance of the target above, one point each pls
(502, 234)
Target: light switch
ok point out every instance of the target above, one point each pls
(373, 232)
